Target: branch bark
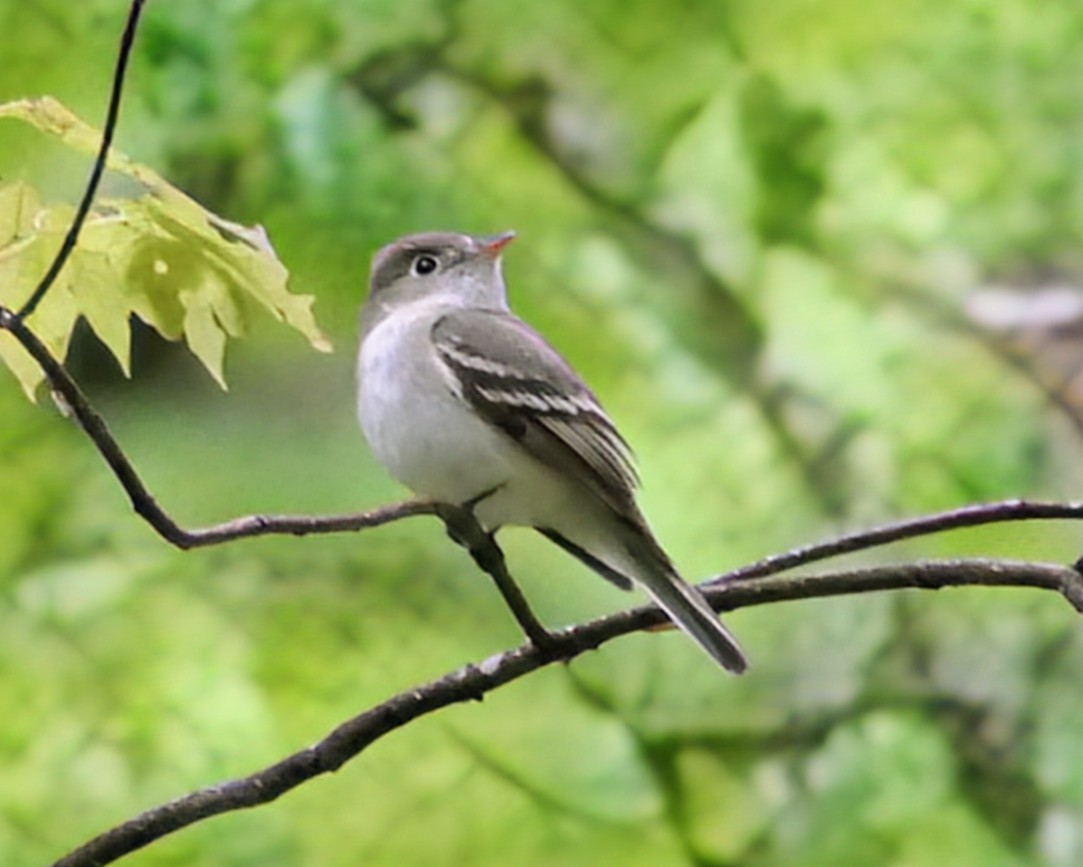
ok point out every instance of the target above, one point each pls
(71, 397)
(974, 515)
(472, 682)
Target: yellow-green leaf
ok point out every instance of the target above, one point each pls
(99, 298)
(204, 334)
(157, 255)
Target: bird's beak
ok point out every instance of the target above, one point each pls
(491, 245)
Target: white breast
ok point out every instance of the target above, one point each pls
(416, 425)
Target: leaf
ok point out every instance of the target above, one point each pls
(99, 296)
(205, 334)
(157, 255)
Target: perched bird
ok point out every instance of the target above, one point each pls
(465, 403)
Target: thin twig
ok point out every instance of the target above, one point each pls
(127, 39)
(974, 515)
(147, 507)
(71, 396)
(472, 682)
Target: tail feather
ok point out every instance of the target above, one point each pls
(688, 609)
(683, 603)
(626, 552)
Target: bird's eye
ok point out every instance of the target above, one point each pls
(425, 264)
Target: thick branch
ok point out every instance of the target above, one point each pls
(472, 682)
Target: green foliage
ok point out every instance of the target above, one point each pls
(753, 226)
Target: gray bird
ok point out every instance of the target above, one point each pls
(463, 402)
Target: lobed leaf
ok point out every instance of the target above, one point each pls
(158, 255)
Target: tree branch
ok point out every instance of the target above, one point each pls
(472, 682)
(975, 515)
(75, 402)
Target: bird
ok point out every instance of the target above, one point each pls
(466, 404)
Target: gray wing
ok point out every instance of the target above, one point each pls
(514, 379)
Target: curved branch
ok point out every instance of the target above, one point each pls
(473, 681)
(75, 403)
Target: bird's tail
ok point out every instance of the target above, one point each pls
(683, 602)
(628, 553)
(688, 609)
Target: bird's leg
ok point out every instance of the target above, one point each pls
(464, 529)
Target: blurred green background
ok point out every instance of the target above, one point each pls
(766, 232)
